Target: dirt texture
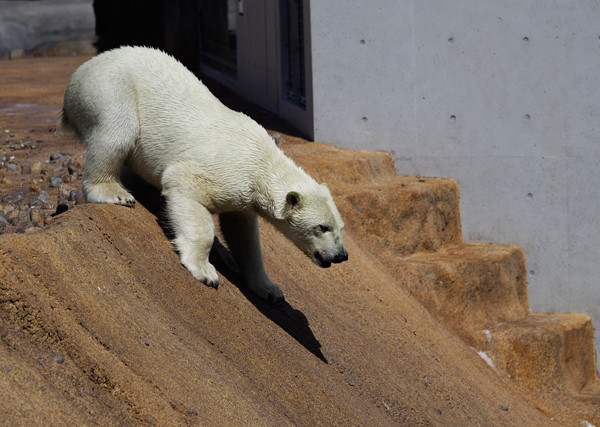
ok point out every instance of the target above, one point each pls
(101, 324)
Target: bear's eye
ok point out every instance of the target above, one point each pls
(324, 228)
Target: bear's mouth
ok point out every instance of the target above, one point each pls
(321, 262)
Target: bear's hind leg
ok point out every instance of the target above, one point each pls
(241, 234)
(104, 158)
(194, 235)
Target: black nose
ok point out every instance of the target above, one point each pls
(341, 257)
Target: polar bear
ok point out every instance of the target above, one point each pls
(141, 108)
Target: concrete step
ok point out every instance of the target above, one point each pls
(552, 352)
(337, 166)
(420, 214)
(469, 287)
(477, 290)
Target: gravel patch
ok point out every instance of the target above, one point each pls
(35, 187)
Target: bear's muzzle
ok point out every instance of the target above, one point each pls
(324, 260)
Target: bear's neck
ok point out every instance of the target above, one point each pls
(282, 176)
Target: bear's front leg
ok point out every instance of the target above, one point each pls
(194, 236)
(241, 234)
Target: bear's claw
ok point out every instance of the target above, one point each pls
(275, 299)
(207, 275)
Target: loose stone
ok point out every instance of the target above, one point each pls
(55, 156)
(43, 196)
(55, 181)
(25, 169)
(64, 191)
(3, 222)
(36, 216)
(36, 167)
(24, 215)
(12, 216)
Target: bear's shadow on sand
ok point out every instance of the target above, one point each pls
(291, 320)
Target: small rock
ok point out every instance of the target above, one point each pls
(277, 138)
(25, 169)
(74, 167)
(76, 196)
(43, 196)
(21, 203)
(55, 181)
(438, 411)
(24, 215)
(55, 156)
(36, 167)
(9, 198)
(80, 198)
(58, 358)
(64, 153)
(34, 188)
(64, 190)
(36, 203)
(11, 167)
(3, 222)
(36, 217)
(47, 215)
(504, 407)
(12, 216)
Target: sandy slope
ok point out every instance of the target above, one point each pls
(143, 341)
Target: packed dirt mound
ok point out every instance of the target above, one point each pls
(99, 322)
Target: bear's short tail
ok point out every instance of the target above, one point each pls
(64, 125)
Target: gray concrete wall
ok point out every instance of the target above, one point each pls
(27, 24)
(502, 95)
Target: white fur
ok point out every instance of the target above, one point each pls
(141, 107)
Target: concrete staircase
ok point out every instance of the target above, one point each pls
(478, 290)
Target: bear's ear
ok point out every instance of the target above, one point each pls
(293, 200)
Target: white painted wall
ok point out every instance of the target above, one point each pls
(503, 96)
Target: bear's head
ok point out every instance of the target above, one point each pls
(311, 220)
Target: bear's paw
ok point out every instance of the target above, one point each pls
(207, 275)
